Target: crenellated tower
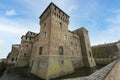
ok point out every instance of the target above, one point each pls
(50, 60)
(26, 49)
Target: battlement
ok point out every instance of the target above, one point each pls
(31, 34)
(53, 10)
(16, 45)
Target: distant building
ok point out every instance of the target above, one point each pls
(55, 51)
(13, 55)
(106, 53)
(3, 60)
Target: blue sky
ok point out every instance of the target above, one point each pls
(100, 17)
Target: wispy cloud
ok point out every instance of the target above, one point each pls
(10, 29)
(111, 33)
(115, 20)
(72, 7)
(11, 12)
(11, 26)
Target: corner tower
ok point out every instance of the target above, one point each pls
(50, 61)
(88, 59)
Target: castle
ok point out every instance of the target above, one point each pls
(54, 51)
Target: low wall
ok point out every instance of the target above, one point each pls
(109, 72)
(114, 74)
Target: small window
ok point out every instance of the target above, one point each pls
(27, 45)
(61, 50)
(71, 43)
(12, 59)
(26, 37)
(55, 8)
(60, 25)
(55, 13)
(59, 11)
(40, 50)
(25, 54)
(45, 35)
(62, 61)
(65, 37)
(30, 38)
(44, 24)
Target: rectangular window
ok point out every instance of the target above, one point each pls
(45, 35)
(65, 37)
(61, 50)
(40, 50)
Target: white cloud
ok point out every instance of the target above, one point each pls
(11, 12)
(17, 26)
(11, 26)
(111, 34)
(10, 29)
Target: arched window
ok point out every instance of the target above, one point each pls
(60, 24)
(61, 50)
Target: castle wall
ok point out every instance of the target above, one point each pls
(106, 53)
(75, 50)
(48, 67)
(87, 55)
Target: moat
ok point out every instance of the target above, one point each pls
(23, 74)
